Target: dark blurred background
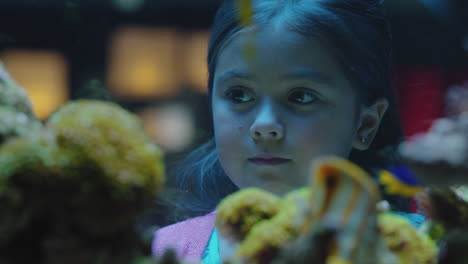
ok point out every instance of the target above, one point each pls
(149, 56)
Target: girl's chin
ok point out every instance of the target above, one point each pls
(275, 187)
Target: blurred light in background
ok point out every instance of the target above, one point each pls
(142, 63)
(465, 43)
(172, 126)
(128, 5)
(44, 75)
(195, 53)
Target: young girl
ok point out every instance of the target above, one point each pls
(317, 83)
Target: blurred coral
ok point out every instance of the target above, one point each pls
(293, 210)
(12, 95)
(263, 243)
(404, 240)
(243, 209)
(440, 159)
(74, 190)
(440, 156)
(104, 135)
(16, 116)
(14, 123)
(281, 238)
(266, 238)
(457, 100)
(446, 141)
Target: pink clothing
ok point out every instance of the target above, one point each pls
(188, 238)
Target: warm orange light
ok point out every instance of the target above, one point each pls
(142, 63)
(43, 74)
(196, 69)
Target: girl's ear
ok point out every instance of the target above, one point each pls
(370, 119)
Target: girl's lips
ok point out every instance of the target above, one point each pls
(268, 161)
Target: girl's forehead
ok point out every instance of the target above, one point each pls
(281, 58)
(275, 48)
(266, 34)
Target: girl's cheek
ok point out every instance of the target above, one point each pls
(315, 137)
(223, 115)
(227, 124)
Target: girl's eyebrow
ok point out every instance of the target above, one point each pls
(234, 74)
(304, 73)
(307, 73)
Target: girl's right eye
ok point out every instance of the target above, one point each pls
(239, 95)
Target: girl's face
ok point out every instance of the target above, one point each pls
(276, 112)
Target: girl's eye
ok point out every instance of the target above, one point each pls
(302, 97)
(239, 95)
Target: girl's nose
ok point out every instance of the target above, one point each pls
(266, 126)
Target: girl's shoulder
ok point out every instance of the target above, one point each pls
(188, 238)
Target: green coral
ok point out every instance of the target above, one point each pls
(14, 123)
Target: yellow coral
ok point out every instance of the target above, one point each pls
(264, 236)
(292, 210)
(245, 12)
(29, 167)
(263, 243)
(31, 156)
(92, 156)
(403, 240)
(337, 260)
(240, 211)
(243, 214)
(104, 135)
(82, 180)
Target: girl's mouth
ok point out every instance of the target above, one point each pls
(268, 161)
